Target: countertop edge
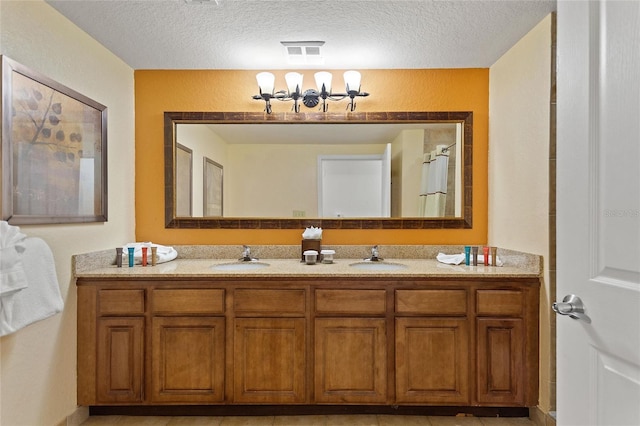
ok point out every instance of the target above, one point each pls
(197, 261)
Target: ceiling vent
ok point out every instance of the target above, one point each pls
(303, 52)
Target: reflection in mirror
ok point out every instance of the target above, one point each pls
(212, 188)
(184, 180)
(285, 173)
(331, 171)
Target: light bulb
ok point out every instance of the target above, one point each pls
(323, 78)
(294, 82)
(266, 82)
(352, 81)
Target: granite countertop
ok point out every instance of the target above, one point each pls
(284, 261)
(204, 268)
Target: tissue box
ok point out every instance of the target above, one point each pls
(310, 245)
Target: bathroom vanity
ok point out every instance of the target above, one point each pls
(183, 333)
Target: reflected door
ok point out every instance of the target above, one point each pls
(354, 185)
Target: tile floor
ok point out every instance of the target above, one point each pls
(313, 420)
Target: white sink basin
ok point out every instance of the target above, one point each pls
(378, 266)
(240, 266)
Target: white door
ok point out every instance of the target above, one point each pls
(598, 212)
(355, 185)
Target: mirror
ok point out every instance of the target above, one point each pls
(239, 180)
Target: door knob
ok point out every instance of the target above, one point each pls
(572, 306)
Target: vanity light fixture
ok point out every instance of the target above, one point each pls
(310, 97)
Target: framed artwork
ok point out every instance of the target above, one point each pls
(54, 151)
(184, 181)
(212, 186)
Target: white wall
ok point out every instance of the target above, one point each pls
(38, 363)
(260, 172)
(519, 135)
(410, 149)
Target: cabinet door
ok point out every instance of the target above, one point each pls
(432, 361)
(500, 361)
(120, 356)
(187, 359)
(269, 360)
(350, 360)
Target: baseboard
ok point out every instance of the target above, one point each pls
(540, 418)
(293, 409)
(80, 415)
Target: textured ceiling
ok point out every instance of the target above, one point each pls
(246, 34)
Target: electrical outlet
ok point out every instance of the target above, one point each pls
(299, 213)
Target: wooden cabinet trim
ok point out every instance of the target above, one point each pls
(269, 302)
(352, 302)
(502, 302)
(87, 342)
(187, 301)
(121, 302)
(426, 302)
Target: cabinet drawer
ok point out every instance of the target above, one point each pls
(500, 302)
(187, 301)
(431, 302)
(351, 301)
(121, 302)
(269, 302)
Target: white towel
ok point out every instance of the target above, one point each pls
(450, 259)
(41, 298)
(163, 253)
(457, 259)
(12, 275)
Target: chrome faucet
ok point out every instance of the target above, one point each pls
(375, 257)
(246, 254)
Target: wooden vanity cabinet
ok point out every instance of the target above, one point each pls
(120, 359)
(367, 341)
(350, 346)
(187, 345)
(507, 345)
(432, 361)
(140, 344)
(111, 353)
(468, 343)
(269, 345)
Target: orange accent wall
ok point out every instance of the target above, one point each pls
(157, 91)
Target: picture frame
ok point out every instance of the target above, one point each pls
(184, 181)
(54, 151)
(212, 188)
